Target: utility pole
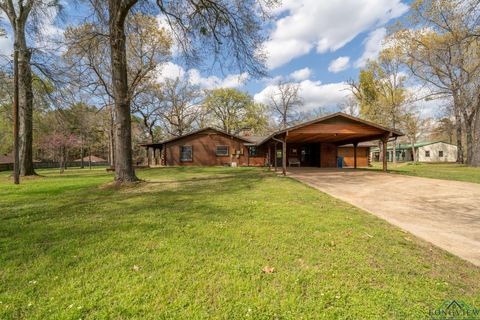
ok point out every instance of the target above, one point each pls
(16, 153)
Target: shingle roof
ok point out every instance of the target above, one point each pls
(6, 158)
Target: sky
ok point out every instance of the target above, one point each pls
(319, 44)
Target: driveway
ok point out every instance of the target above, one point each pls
(445, 213)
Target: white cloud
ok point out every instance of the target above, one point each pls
(301, 74)
(373, 45)
(172, 71)
(6, 46)
(339, 64)
(324, 25)
(314, 94)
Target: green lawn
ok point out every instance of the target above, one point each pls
(447, 171)
(191, 243)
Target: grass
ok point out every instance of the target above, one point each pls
(191, 243)
(446, 171)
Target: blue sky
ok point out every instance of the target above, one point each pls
(319, 44)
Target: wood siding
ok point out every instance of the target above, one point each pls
(347, 154)
(328, 155)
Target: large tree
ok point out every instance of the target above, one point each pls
(232, 110)
(226, 31)
(25, 16)
(441, 48)
(285, 101)
(180, 105)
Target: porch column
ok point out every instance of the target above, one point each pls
(148, 156)
(355, 144)
(284, 156)
(269, 157)
(275, 156)
(384, 152)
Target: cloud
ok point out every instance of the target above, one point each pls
(339, 64)
(301, 74)
(314, 94)
(324, 25)
(373, 45)
(6, 46)
(171, 70)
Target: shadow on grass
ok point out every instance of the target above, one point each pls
(92, 215)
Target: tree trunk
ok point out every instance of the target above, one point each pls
(476, 141)
(81, 153)
(414, 154)
(124, 171)
(469, 136)
(458, 128)
(394, 160)
(25, 101)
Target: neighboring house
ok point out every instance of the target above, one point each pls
(6, 162)
(6, 158)
(94, 159)
(435, 151)
(316, 143)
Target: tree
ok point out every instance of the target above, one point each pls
(230, 29)
(19, 15)
(232, 110)
(413, 126)
(440, 48)
(180, 106)
(285, 101)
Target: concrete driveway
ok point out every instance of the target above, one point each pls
(445, 213)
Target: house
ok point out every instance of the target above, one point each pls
(316, 143)
(6, 158)
(434, 151)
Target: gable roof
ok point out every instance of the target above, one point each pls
(331, 116)
(244, 139)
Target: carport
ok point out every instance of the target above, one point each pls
(315, 143)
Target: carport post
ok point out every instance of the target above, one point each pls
(275, 156)
(148, 156)
(355, 144)
(384, 152)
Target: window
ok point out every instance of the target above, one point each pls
(294, 151)
(222, 151)
(186, 153)
(440, 153)
(252, 151)
(427, 154)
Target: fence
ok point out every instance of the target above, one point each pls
(49, 165)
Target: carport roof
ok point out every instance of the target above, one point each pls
(338, 128)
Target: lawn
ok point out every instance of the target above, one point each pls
(447, 171)
(191, 243)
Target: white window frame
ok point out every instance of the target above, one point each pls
(191, 153)
(222, 154)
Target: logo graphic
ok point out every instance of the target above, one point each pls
(454, 310)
